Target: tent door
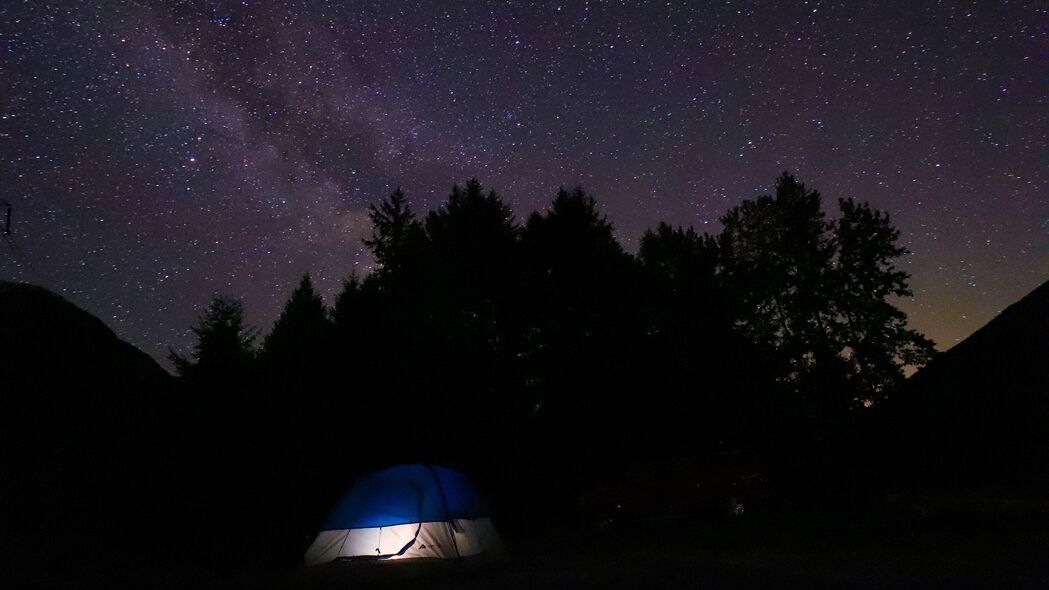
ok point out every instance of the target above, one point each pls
(403, 549)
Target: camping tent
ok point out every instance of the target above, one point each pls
(408, 511)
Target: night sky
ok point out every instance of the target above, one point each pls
(157, 154)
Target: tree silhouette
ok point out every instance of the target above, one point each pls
(362, 336)
(220, 461)
(776, 259)
(296, 361)
(304, 406)
(571, 245)
(506, 346)
(682, 266)
(345, 310)
(302, 333)
(679, 254)
(706, 374)
(473, 235)
(872, 331)
(466, 325)
(384, 313)
(572, 263)
(579, 292)
(225, 344)
(473, 263)
(396, 235)
(815, 292)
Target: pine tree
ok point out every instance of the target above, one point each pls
(572, 241)
(474, 242)
(225, 344)
(348, 301)
(466, 325)
(574, 265)
(396, 235)
(301, 334)
(473, 228)
(581, 300)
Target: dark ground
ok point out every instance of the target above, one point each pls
(844, 553)
(927, 544)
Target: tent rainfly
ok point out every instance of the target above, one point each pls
(405, 512)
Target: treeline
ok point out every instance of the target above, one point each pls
(538, 353)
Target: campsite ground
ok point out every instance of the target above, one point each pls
(813, 549)
(932, 545)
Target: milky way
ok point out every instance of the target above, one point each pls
(156, 154)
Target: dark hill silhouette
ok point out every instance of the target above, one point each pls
(978, 414)
(81, 412)
(49, 343)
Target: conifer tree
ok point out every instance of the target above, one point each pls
(396, 235)
(301, 333)
(225, 344)
(347, 304)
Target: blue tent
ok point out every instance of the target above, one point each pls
(406, 494)
(406, 511)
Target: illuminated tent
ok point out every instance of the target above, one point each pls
(405, 512)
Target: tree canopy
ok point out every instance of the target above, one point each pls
(545, 348)
(817, 293)
(302, 332)
(224, 342)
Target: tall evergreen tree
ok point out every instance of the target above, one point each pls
(347, 308)
(396, 235)
(580, 343)
(572, 243)
(473, 240)
(301, 335)
(301, 393)
(574, 269)
(220, 411)
(474, 233)
(225, 344)
(362, 335)
(467, 321)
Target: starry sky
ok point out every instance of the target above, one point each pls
(158, 153)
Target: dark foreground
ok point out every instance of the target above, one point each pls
(814, 548)
(687, 555)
